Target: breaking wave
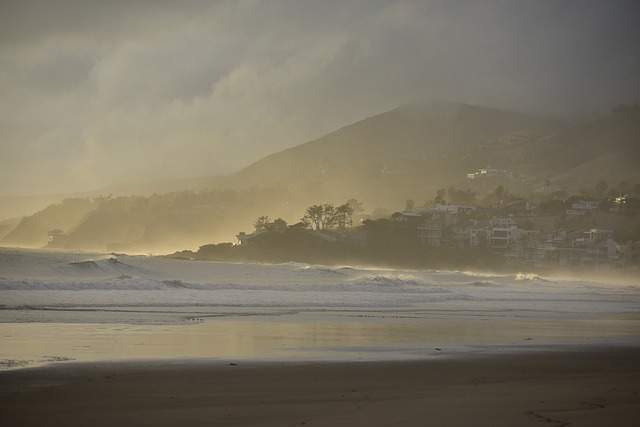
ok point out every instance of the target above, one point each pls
(401, 283)
(124, 282)
(318, 269)
(529, 277)
(109, 266)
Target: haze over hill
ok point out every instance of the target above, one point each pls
(98, 92)
(18, 206)
(402, 153)
(406, 153)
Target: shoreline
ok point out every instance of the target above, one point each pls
(593, 386)
(316, 336)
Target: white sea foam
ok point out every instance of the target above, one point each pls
(529, 277)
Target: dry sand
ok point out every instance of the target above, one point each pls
(588, 387)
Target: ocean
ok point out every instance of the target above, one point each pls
(57, 306)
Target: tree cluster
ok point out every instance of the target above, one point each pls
(328, 217)
(264, 224)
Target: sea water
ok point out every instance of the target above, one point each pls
(58, 305)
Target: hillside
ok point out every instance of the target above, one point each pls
(33, 231)
(604, 149)
(12, 207)
(406, 153)
(387, 158)
(412, 151)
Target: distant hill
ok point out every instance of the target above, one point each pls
(413, 150)
(18, 206)
(33, 231)
(387, 158)
(406, 153)
(605, 149)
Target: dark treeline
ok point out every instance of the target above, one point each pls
(387, 245)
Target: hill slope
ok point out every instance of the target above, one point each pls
(409, 152)
(386, 158)
(604, 149)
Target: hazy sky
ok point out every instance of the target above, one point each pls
(98, 92)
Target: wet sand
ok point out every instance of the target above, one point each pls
(362, 336)
(581, 386)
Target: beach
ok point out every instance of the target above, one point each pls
(105, 340)
(570, 387)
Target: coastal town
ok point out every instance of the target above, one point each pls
(524, 236)
(577, 232)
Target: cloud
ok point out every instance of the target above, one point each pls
(100, 92)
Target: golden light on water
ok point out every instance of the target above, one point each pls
(313, 337)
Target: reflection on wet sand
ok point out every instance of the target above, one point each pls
(313, 336)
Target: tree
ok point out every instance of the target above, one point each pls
(461, 196)
(278, 225)
(261, 224)
(328, 217)
(321, 217)
(313, 216)
(410, 205)
(355, 206)
(343, 215)
(440, 196)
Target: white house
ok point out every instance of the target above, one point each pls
(455, 208)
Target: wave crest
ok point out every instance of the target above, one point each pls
(529, 277)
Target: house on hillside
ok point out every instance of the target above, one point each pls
(455, 209)
(505, 232)
(558, 249)
(519, 208)
(431, 229)
(523, 250)
(581, 205)
(243, 237)
(503, 222)
(406, 218)
(495, 172)
(501, 237)
(557, 236)
(606, 252)
(460, 236)
(629, 203)
(599, 247)
(479, 233)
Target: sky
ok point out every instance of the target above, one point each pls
(94, 93)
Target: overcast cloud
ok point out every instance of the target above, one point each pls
(99, 92)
